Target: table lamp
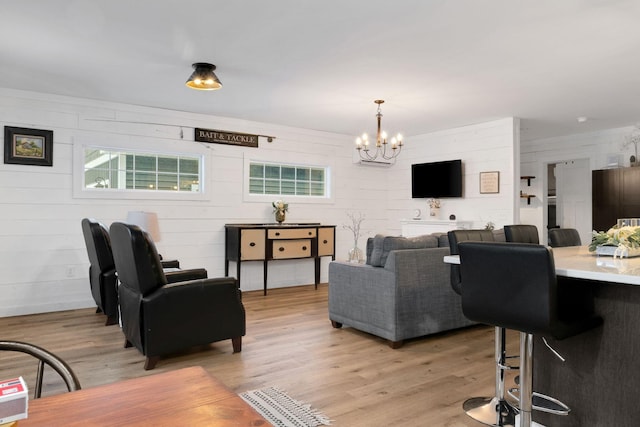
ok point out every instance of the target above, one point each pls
(147, 221)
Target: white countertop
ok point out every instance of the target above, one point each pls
(579, 263)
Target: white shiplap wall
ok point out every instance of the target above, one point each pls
(42, 253)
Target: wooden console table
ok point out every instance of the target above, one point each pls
(267, 242)
(184, 397)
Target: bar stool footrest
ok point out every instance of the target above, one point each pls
(542, 402)
(506, 367)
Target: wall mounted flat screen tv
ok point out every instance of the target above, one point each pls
(436, 179)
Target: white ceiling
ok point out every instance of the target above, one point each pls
(320, 64)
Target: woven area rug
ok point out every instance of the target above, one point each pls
(283, 411)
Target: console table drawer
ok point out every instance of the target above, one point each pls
(283, 249)
(252, 245)
(325, 241)
(293, 233)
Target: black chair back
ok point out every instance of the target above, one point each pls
(102, 270)
(130, 242)
(44, 358)
(521, 233)
(457, 236)
(513, 285)
(561, 237)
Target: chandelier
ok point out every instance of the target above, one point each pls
(362, 143)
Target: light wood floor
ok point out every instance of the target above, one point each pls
(352, 377)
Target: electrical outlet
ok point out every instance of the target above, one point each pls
(71, 271)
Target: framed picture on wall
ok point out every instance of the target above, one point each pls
(24, 146)
(489, 182)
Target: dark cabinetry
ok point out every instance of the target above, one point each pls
(615, 194)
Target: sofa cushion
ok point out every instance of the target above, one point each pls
(378, 247)
(393, 243)
(498, 235)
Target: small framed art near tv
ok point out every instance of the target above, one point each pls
(489, 182)
(437, 179)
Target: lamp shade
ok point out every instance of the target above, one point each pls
(203, 77)
(148, 221)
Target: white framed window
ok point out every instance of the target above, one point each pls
(287, 180)
(264, 180)
(111, 172)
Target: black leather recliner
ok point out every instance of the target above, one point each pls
(165, 313)
(102, 269)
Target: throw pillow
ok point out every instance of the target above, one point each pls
(376, 252)
(369, 249)
(443, 239)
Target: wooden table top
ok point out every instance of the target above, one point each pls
(189, 396)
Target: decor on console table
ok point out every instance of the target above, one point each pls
(280, 207)
(355, 253)
(434, 207)
(621, 242)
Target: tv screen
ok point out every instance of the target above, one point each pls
(436, 179)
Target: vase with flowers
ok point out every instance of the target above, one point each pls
(618, 241)
(355, 253)
(280, 207)
(434, 207)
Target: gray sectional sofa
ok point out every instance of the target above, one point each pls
(402, 292)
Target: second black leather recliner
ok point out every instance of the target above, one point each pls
(160, 317)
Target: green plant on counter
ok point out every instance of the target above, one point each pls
(627, 237)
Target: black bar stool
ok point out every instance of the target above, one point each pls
(513, 285)
(561, 237)
(521, 233)
(494, 410)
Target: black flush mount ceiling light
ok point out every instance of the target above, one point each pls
(203, 77)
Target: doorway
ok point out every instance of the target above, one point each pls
(569, 196)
